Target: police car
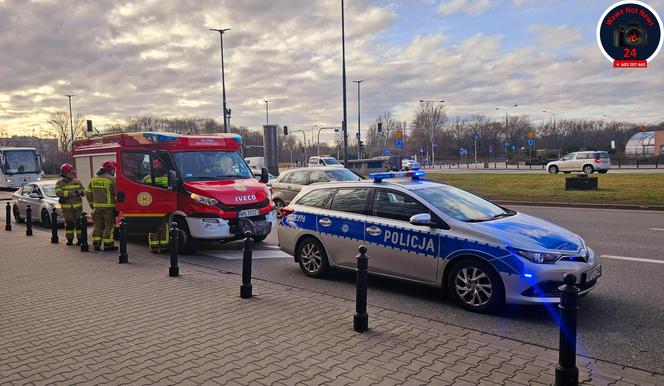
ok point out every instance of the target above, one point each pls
(481, 254)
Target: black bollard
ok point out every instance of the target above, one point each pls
(174, 270)
(566, 371)
(123, 258)
(83, 226)
(247, 251)
(361, 318)
(54, 226)
(8, 213)
(28, 221)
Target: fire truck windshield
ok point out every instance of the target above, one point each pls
(211, 165)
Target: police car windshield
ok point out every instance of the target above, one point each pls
(462, 205)
(211, 165)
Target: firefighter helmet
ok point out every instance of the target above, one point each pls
(66, 168)
(109, 166)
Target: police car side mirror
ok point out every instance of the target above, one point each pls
(421, 219)
(265, 177)
(173, 180)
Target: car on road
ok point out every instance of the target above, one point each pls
(481, 254)
(409, 164)
(41, 197)
(290, 182)
(587, 162)
(324, 161)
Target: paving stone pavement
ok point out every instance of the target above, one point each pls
(74, 318)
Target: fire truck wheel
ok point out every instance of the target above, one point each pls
(188, 245)
(258, 239)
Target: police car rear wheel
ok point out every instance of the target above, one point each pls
(312, 258)
(476, 286)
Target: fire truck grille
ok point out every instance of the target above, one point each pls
(236, 208)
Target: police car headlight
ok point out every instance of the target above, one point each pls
(203, 200)
(537, 257)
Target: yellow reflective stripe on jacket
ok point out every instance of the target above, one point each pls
(71, 206)
(98, 205)
(102, 183)
(75, 186)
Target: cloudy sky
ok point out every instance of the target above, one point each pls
(157, 57)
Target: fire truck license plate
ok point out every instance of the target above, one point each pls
(248, 213)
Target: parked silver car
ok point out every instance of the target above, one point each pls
(583, 161)
(290, 182)
(41, 197)
(427, 232)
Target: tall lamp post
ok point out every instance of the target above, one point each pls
(615, 128)
(554, 128)
(506, 126)
(432, 129)
(223, 78)
(71, 119)
(267, 112)
(358, 116)
(343, 77)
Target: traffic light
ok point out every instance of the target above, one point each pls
(380, 127)
(285, 130)
(361, 145)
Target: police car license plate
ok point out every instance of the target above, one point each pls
(247, 213)
(593, 273)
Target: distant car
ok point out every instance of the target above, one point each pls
(290, 182)
(324, 161)
(409, 164)
(41, 198)
(583, 161)
(257, 174)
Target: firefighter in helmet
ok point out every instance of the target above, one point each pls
(101, 196)
(158, 241)
(70, 190)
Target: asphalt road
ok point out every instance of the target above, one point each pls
(622, 321)
(536, 169)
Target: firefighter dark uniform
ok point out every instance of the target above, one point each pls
(101, 196)
(70, 190)
(159, 241)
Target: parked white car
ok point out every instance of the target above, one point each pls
(583, 161)
(324, 161)
(409, 164)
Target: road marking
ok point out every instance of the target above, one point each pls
(657, 229)
(632, 259)
(257, 254)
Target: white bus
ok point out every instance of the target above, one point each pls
(19, 166)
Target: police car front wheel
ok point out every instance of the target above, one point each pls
(476, 286)
(312, 258)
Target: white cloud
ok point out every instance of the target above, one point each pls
(550, 37)
(470, 7)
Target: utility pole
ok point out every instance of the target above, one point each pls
(555, 133)
(71, 120)
(506, 126)
(267, 112)
(358, 117)
(343, 77)
(223, 78)
(432, 129)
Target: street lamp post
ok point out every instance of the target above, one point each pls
(615, 128)
(71, 120)
(554, 128)
(267, 112)
(343, 76)
(336, 129)
(223, 78)
(506, 126)
(358, 116)
(432, 129)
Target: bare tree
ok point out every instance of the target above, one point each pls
(431, 117)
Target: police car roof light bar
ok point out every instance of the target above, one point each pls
(414, 174)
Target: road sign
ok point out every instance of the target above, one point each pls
(531, 142)
(399, 134)
(531, 134)
(462, 151)
(386, 151)
(421, 150)
(613, 145)
(476, 136)
(399, 143)
(513, 147)
(490, 148)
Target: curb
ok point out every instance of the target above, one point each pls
(582, 205)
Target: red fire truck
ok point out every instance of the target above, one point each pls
(199, 181)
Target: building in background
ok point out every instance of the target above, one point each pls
(646, 144)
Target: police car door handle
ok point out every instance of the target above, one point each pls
(374, 231)
(326, 222)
